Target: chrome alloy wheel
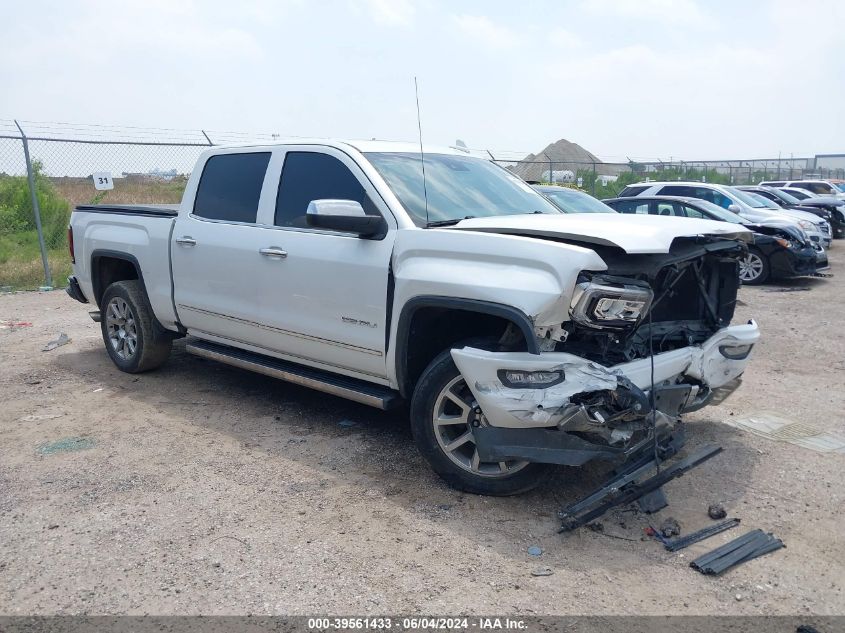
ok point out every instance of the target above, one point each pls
(455, 415)
(750, 268)
(121, 328)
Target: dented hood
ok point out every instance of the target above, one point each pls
(632, 233)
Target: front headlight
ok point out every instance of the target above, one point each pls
(608, 305)
(806, 225)
(788, 243)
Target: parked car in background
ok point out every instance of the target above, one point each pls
(823, 225)
(828, 208)
(780, 249)
(818, 187)
(740, 202)
(571, 200)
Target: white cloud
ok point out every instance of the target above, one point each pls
(484, 31)
(563, 38)
(391, 12)
(685, 12)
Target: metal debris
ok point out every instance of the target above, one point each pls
(797, 289)
(63, 339)
(740, 550)
(534, 550)
(673, 545)
(625, 488)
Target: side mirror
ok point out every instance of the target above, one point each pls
(345, 216)
(734, 208)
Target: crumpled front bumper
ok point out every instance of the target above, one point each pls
(707, 364)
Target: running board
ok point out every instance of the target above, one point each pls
(342, 386)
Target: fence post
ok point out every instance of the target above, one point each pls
(36, 209)
(594, 179)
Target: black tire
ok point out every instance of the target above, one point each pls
(764, 270)
(437, 376)
(152, 342)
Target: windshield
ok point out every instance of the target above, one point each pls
(574, 201)
(456, 187)
(753, 200)
(786, 197)
(841, 186)
(799, 194)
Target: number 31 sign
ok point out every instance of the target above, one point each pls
(102, 180)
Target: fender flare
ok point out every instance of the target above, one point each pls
(510, 313)
(99, 253)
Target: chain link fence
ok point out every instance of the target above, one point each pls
(607, 180)
(53, 165)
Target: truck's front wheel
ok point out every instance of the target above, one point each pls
(443, 416)
(134, 339)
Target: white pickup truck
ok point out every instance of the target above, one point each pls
(520, 336)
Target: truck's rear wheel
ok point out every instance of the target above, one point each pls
(134, 340)
(443, 411)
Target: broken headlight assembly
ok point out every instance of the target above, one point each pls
(520, 379)
(735, 352)
(610, 303)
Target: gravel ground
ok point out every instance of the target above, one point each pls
(201, 488)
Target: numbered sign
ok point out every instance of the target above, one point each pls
(102, 181)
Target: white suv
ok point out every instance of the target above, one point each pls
(749, 207)
(818, 187)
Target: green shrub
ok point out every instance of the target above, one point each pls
(16, 214)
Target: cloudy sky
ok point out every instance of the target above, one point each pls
(641, 78)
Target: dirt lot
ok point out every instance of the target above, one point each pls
(204, 489)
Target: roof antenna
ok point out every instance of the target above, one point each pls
(422, 154)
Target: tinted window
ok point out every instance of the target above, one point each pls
(308, 176)
(631, 206)
(230, 187)
(798, 194)
(815, 187)
(692, 212)
(678, 190)
(772, 184)
(630, 191)
(666, 208)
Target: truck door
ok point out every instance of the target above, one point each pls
(215, 249)
(324, 293)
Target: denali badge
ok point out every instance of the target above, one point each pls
(352, 321)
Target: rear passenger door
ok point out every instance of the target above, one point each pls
(215, 249)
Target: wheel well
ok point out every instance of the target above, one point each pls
(107, 269)
(432, 329)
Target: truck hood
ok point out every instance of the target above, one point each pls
(635, 234)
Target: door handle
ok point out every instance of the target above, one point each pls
(274, 252)
(186, 240)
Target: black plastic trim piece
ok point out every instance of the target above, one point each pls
(128, 209)
(95, 277)
(74, 291)
(681, 542)
(514, 315)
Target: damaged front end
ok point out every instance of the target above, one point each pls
(646, 341)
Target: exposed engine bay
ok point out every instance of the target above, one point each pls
(656, 320)
(694, 294)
